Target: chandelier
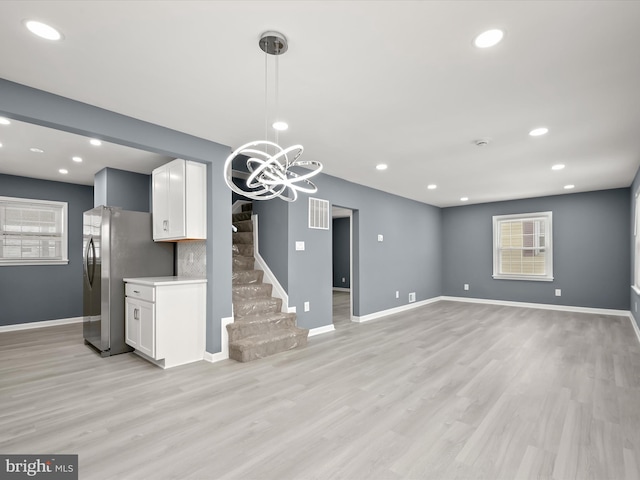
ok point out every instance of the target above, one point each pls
(272, 171)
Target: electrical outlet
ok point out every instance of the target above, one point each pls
(306, 306)
(397, 294)
(299, 246)
(558, 292)
(344, 280)
(190, 257)
(466, 286)
(412, 297)
(380, 238)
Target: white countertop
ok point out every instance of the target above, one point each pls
(155, 281)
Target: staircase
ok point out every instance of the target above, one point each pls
(260, 328)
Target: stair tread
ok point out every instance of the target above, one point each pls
(263, 318)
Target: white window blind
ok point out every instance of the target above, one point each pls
(318, 213)
(522, 247)
(32, 232)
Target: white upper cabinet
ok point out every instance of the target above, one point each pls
(180, 201)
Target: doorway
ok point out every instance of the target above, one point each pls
(342, 261)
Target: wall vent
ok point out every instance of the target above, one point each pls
(318, 213)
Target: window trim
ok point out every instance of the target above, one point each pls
(548, 218)
(64, 233)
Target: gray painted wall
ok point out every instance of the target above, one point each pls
(42, 108)
(119, 188)
(45, 292)
(590, 251)
(407, 260)
(273, 229)
(634, 299)
(341, 252)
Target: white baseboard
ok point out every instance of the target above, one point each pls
(44, 323)
(391, 311)
(320, 330)
(341, 289)
(635, 326)
(542, 306)
(224, 339)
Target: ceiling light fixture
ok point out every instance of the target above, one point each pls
(77, 159)
(4, 121)
(95, 142)
(464, 199)
(0, 144)
(569, 187)
(559, 166)
(282, 126)
(433, 186)
(43, 30)
(36, 150)
(63, 171)
(382, 166)
(273, 171)
(489, 38)
(536, 132)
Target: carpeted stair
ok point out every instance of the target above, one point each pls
(260, 328)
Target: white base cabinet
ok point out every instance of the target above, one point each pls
(165, 319)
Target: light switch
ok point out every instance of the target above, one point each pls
(380, 238)
(299, 245)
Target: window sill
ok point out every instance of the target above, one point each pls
(523, 277)
(19, 263)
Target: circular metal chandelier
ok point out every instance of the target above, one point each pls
(273, 171)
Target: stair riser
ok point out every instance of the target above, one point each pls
(258, 307)
(240, 330)
(245, 238)
(242, 249)
(243, 263)
(246, 226)
(248, 292)
(265, 350)
(241, 217)
(240, 277)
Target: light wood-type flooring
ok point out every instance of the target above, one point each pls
(445, 391)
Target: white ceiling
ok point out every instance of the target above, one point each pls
(364, 82)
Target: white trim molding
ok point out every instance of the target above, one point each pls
(635, 289)
(224, 342)
(635, 326)
(320, 330)
(391, 311)
(42, 324)
(341, 289)
(542, 306)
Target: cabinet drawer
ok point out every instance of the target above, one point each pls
(143, 292)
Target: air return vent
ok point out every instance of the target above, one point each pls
(318, 213)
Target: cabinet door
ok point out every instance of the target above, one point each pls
(176, 199)
(160, 202)
(132, 324)
(140, 326)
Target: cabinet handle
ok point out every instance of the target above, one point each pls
(136, 291)
(165, 225)
(136, 315)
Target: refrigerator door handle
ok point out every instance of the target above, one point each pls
(90, 273)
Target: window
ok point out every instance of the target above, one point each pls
(33, 232)
(522, 247)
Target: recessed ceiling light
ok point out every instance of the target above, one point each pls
(4, 121)
(95, 142)
(63, 171)
(558, 166)
(0, 144)
(36, 150)
(42, 30)
(536, 132)
(464, 199)
(489, 38)
(76, 159)
(382, 166)
(433, 186)
(280, 126)
(569, 187)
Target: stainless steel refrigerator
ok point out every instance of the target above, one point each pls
(117, 243)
